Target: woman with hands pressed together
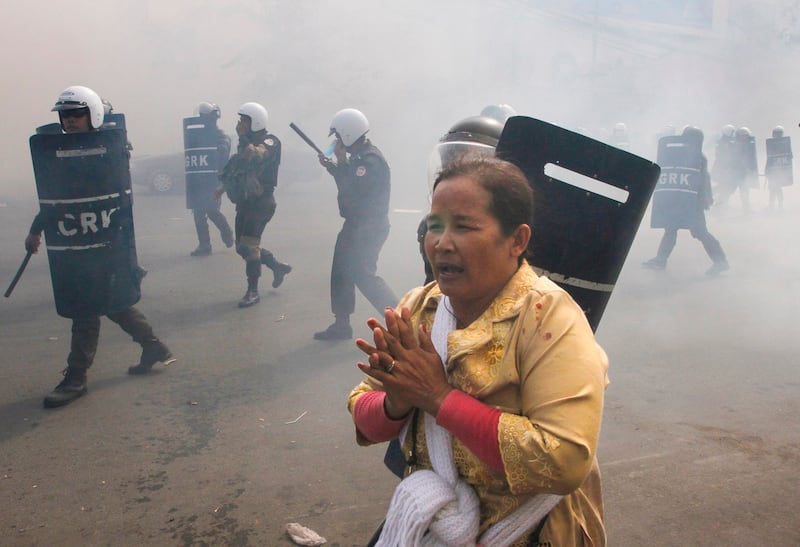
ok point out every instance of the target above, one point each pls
(491, 378)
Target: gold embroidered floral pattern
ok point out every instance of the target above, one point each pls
(527, 467)
(530, 356)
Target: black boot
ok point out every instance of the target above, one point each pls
(279, 269)
(251, 297)
(279, 272)
(71, 387)
(153, 352)
(655, 264)
(718, 267)
(227, 237)
(339, 330)
(202, 250)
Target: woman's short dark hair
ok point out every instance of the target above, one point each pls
(511, 196)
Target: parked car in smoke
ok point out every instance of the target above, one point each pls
(160, 174)
(165, 173)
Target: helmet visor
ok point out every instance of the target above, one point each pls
(68, 105)
(445, 152)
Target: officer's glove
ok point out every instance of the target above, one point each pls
(32, 242)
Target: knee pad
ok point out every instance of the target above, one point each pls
(249, 248)
(248, 253)
(242, 251)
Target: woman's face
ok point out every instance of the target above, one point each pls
(471, 258)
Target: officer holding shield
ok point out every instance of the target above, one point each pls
(207, 148)
(779, 170)
(680, 199)
(91, 250)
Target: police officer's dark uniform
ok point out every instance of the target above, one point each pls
(778, 169)
(723, 171)
(680, 200)
(363, 181)
(76, 102)
(249, 179)
(209, 113)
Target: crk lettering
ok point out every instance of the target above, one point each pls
(62, 228)
(675, 179)
(87, 223)
(197, 161)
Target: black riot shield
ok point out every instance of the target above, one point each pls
(724, 169)
(582, 228)
(779, 168)
(84, 186)
(114, 120)
(200, 141)
(676, 199)
(749, 161)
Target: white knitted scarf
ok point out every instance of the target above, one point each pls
(436, 508)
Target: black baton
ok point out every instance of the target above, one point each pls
(18, 274)
(303, 136)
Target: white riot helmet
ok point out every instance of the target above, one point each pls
(500, 112)
(257, 114)
(777, 132)
(728, 130)
(744, 132)
(349, 125)
(208, 109)
(78, 96)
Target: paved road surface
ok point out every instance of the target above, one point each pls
(248, 430)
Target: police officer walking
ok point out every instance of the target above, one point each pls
(97, 274)
(681, 197)
(778, 169)
(207, 147)
(724, 169)
(249, 178)
(363, 180)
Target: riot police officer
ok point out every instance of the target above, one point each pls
(363, 181)
(620, 137)
(681, 197)
(723, 170)
(778, 169)
(249, 178)
(201, 184)
(500, 112)
(80, 110)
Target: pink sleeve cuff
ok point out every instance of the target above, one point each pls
(371, 420)
(474, 424)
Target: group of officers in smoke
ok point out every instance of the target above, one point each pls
(736, 165)
(83, 183)
(684, 191)
(81, 166)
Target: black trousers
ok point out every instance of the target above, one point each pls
(700, 232)
(86, 333)
(201, 218)
(252, 217)
(355, 264)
